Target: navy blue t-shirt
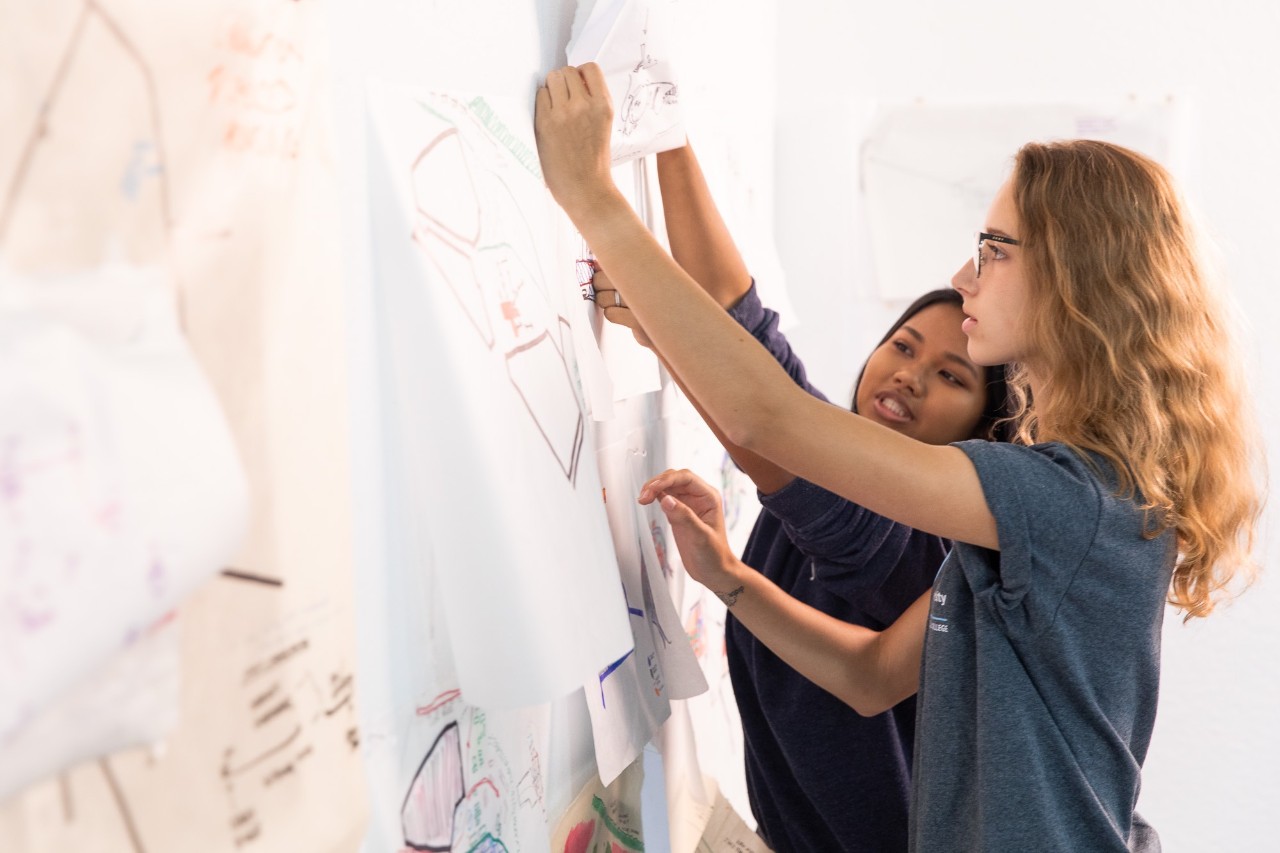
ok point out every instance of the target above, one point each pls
(820, 776)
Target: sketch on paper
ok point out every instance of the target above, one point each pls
(137, 191)
(137, 142)
(435, 794)
(472, 230)
(648, 101)
(287, 709)
(633, 695)
(472, 296)
(604, 817)
(120, 491)
(478, 787)
(630, 40)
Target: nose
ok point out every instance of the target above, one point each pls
(965, 278)
(909, 378)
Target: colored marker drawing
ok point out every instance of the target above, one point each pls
(479, 789)
(434, 795)
(473, 232)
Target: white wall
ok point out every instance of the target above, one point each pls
(1210, 781)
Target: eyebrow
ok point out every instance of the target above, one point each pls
(950, 356)
(1000, 233)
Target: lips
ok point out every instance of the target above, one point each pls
(968, 324)
(893, 408)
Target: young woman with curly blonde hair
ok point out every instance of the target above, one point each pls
(1035, 655)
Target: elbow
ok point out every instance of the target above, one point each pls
(744, 433)
(753, 428)
(870, 697)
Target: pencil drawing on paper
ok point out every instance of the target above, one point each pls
(472, 228)
(645, 96)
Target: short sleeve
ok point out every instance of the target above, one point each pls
(1047, 503)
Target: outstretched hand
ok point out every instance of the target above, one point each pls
(571, 121)
(609, 300)
(697, 523)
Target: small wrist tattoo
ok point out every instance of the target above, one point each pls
(730, 598)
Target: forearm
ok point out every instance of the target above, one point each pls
(871, 671)
(767, 476)
(700, 240)
(735, 379)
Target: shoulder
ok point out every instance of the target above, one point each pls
(1044, 497)
(1048, 468)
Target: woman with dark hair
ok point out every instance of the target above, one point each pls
(820, 776)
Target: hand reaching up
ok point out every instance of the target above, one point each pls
(572, 117)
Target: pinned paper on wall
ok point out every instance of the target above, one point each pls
(631, 697)
(199, 145)
(631, 42)
(605, 816)
(478, 785)
(120, 489)
(483, 382)
(932, 171)
(131, 700)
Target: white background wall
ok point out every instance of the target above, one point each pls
(1211, 781)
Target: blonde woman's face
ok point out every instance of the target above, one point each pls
(921, 383)
(995, 302)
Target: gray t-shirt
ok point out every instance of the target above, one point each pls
(1041, 665)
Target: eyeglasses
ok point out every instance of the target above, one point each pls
(981, 237)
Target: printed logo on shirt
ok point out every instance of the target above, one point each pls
(936, 622)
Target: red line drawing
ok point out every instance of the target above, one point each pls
(439, 702)
(481, 784)
(472, 230)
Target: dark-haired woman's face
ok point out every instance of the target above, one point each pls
(921, 382)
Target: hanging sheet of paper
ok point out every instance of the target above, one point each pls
(129, 701)
(714, 714)
(121, 491)
(630, 699)
(443, 774)
(631, 42)
(474, 787)
(201, 144)
(482, 379)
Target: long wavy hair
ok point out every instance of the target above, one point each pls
(995, 423)
(1135, 359)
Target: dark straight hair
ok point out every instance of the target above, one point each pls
(994, 423)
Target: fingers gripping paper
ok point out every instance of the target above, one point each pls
(629, 40)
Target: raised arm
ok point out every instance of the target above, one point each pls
(871, 671)
(703, 247)
(700, 241)
(739, 385)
